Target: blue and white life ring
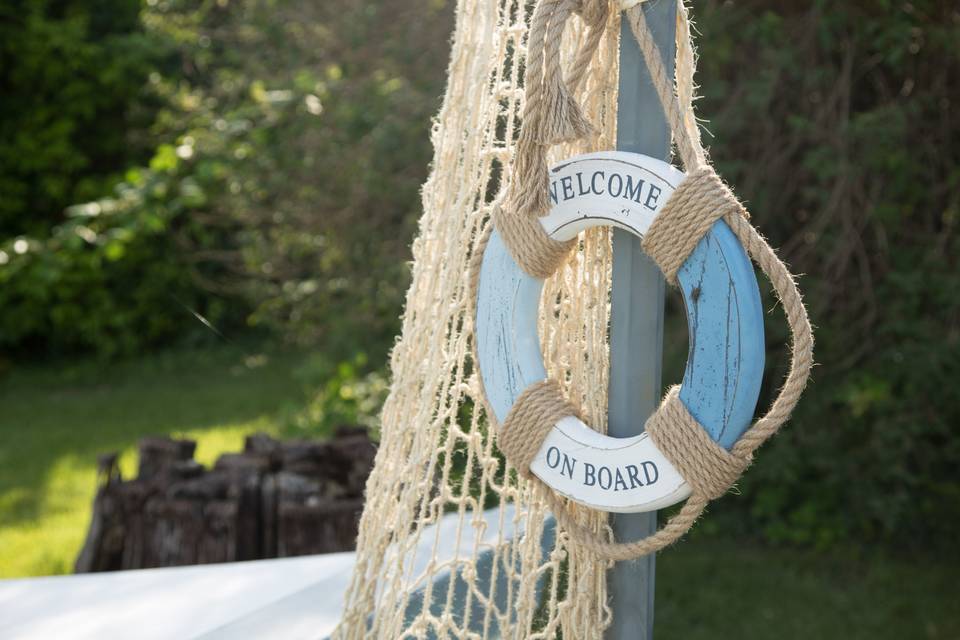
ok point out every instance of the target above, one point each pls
(724, 317)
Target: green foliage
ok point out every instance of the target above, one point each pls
(57, 418)
(291, 151)
(102, 276)
(102, 280)
(836, 123)
(347, 393)
(313, 118)
(70, 75)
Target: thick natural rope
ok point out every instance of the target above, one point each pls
(531, 247)
(698, 202)
(531, 418)
(551, 115)
(686, 137)
(708, 468)
(801, 362)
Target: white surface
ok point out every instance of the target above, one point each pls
(281, 599)
(182, 602)
(629, 4)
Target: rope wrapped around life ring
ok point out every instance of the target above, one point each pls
(551, 115)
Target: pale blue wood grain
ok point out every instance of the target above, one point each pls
(725, 320)
(508, 343)
(725, 324)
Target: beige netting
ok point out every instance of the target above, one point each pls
(437, 455)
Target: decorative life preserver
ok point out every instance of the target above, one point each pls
(722, 380)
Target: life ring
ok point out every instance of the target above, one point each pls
(724, 369)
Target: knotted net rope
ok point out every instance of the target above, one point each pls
(696, 205)
(437, 460)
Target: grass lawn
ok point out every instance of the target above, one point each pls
(56, 419)
(710, 589)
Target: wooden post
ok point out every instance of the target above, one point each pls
(636, 333)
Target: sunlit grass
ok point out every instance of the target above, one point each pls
(54, 421)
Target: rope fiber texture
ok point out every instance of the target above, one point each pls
(701, 200)
(551, 116)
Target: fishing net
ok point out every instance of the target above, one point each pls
(452, 543)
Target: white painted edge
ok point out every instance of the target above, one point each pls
(616, 188)
(286, 598)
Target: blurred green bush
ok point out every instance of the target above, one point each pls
(103, 279)
(292, 140)
(838, 124)
(312, 119)
(71, 77)
(344, 393)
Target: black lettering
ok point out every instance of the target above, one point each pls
(652, 196)
(553, 192)
(633, 472)
(593, 183)
(581, 191)
(619, 185)
(647, 466)
(619, 482)
(604, 485)
(567, 183)
(555, 453)
(589, 474)
(568, 465)
(633, 191)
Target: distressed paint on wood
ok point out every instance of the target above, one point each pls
(722, 380)
(721, 383)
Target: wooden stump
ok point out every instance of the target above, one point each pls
(274, 499)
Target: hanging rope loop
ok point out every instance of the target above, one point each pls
(551, 116)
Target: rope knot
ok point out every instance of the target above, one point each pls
(562, 120)
(531, 418)
(552, 114)
(696, 204)
(708, 468)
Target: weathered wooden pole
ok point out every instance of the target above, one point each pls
(636, 333)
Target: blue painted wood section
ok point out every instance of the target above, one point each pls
(724, 317)
(508, 343)
(725, 324)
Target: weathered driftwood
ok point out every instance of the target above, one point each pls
(274, 499)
